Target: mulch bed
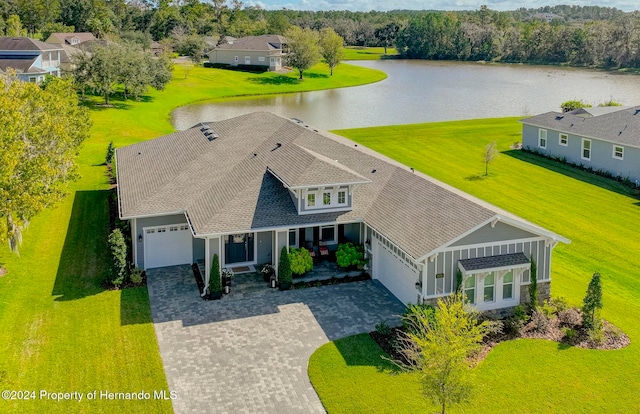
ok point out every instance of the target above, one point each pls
(198, 277)
(614, 338)
(332, 281)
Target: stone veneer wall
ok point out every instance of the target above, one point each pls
(544, 292)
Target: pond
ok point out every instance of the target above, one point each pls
(428, 91)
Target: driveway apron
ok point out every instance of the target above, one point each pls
(250, 354)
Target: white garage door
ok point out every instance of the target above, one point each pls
(168, 245)
(391, 271)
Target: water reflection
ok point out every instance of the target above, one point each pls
(424, 91)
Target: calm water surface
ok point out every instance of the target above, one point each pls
(425, 91)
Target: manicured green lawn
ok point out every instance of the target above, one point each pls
(59, 330)
(526, 376)
(367, 53)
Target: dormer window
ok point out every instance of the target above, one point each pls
(326, 199)
(342, 197)
(311, 200)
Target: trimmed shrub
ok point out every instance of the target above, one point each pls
(118, 247)
(284, 267)
(111, 153)
(349, 254)
(136, 276)
(300, 260)
(383, 329)
(540, 321)
(215, 283)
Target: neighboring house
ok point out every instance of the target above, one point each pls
(70, 43)
(265, 50)
(245, 187)
(30, 58)
(606, 138)
(156, 48)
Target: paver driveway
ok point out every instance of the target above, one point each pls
(251, 354)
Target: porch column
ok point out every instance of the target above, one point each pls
(207, 265)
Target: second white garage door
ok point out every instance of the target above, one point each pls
(168, 245)
(394, 274)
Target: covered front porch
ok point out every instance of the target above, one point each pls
(245, 253)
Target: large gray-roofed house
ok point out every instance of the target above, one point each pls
(245, 187)
(30, 58)
(265, 50)
(607, 139)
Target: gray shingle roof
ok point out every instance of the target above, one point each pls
(65, 38)
(24, 65)
(493, 262)
(621, 127)
(264, 42)
(24, 43)
(224, 185)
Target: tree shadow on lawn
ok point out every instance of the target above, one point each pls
(274, 80)
(85, 255)
(362, 350)
(574, 172)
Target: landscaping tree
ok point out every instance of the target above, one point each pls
(303, 48)
(332, 45)
(490, 153)
(284, 267)
(118, 247)
(440, 346)
(592, 303)
(215, 283)
(533, 286)
(111, 153)
(41, 130)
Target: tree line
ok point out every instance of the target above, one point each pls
(576, 35)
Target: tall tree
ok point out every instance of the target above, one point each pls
(386, 35)
(332, 46)
(303, 48)
(14, 26)
(39, 139)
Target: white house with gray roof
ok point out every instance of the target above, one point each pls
(606, 138)
(245, 187)
(265, 50)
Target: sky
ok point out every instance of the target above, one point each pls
(385, 5)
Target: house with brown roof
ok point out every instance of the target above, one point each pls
(30, 58)
(265, 50)
(71, 45)
(246, 187)
(603, 138)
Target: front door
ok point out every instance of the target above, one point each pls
(239, 248)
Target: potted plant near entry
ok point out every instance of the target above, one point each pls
(215, 284)
(284, 270)
(226, 280)
(267, 271)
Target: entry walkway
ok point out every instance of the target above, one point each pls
(250, 354)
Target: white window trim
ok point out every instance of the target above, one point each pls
(540, 138)
(335, 234)
(498, 301)
(582, 148)
(566, 140)
(621, 157)
(319, 198)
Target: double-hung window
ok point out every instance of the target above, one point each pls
(586, 149)
(507, 285)
(542, 138)
(564, 140)
(489, 287)
(618, 152)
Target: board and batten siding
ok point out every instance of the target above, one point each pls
(601, 152)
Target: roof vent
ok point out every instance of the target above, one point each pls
(373, 171)
(636, 112)
(278, 145)
(559, 117)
